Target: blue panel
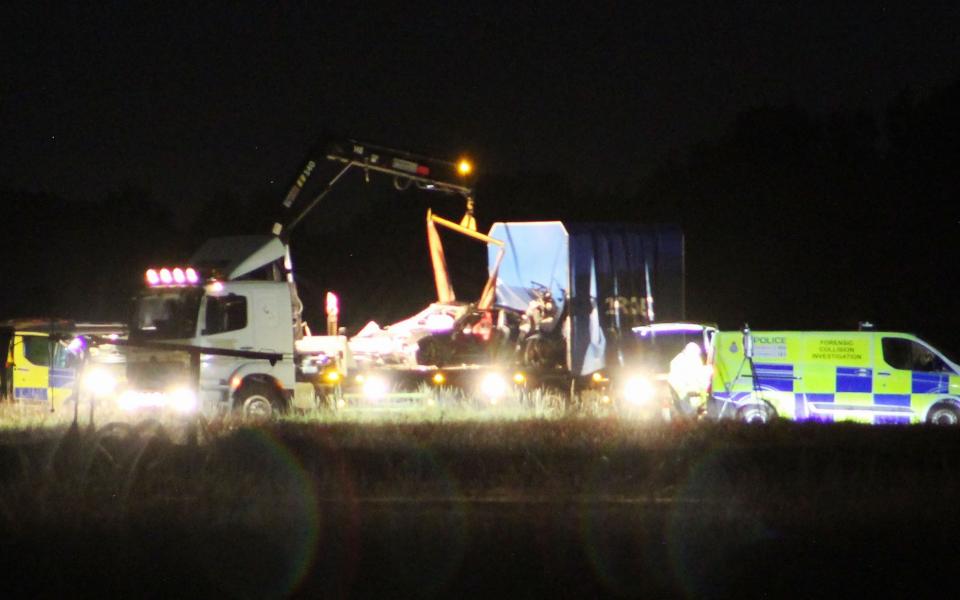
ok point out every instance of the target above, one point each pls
(61, 378)
(799, 407)
(775, 377)
(929, 383)
(854, 379)
(892, 400)
(819, 399)
(30, 394)
(536, 251)
(888, 420)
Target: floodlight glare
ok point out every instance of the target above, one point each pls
(375, 388)
(638, 390)
(493, 386)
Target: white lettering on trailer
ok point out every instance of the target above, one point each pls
(405, 165)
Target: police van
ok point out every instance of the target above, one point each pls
(37, 370)
(863, 376)
(42, 361)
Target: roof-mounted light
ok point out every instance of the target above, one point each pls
(175, 276)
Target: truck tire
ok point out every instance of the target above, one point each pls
(944, 414)
(541, 353)
(430, 352)
(760, 412)
(257, 401)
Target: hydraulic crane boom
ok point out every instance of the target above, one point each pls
(406, 168)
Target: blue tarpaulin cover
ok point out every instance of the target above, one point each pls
(614, 276)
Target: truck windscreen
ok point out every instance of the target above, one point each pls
(168, 314)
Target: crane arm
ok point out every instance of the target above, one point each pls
(441, 277)
(406, 167)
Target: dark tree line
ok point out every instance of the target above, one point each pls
(792, 220)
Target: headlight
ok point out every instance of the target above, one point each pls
(375, 388)
(127, 401)
(638, 390)
(493, 386)
(182, 400)
(99, 382)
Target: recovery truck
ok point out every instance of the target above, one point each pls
(225, 331)
(558, 309)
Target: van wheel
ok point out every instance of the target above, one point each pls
(257, 402)
(756, 413)
(944, 414)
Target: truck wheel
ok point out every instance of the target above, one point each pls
(756, 413)
(536, 353)
(944, 414)
(430, 352)
(257, 401)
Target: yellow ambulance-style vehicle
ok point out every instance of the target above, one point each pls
(863, 376)
(37, 370)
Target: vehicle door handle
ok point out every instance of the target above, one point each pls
(883, 373)
(246, 347)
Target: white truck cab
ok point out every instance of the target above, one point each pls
(233, 303)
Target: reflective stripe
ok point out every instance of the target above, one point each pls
(775, 377)
(30, 394)
(892, 399)
(854, 379)
(929, 383)
(61, 378)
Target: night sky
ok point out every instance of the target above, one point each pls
(569, 113)
(185, 101)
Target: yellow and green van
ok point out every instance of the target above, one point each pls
(863, 376)
(37, 371)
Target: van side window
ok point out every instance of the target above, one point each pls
(225, 313)
(908, 355)
(36, 349)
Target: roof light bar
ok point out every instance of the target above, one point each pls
(172, 276)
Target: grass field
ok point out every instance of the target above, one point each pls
(516, 507)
